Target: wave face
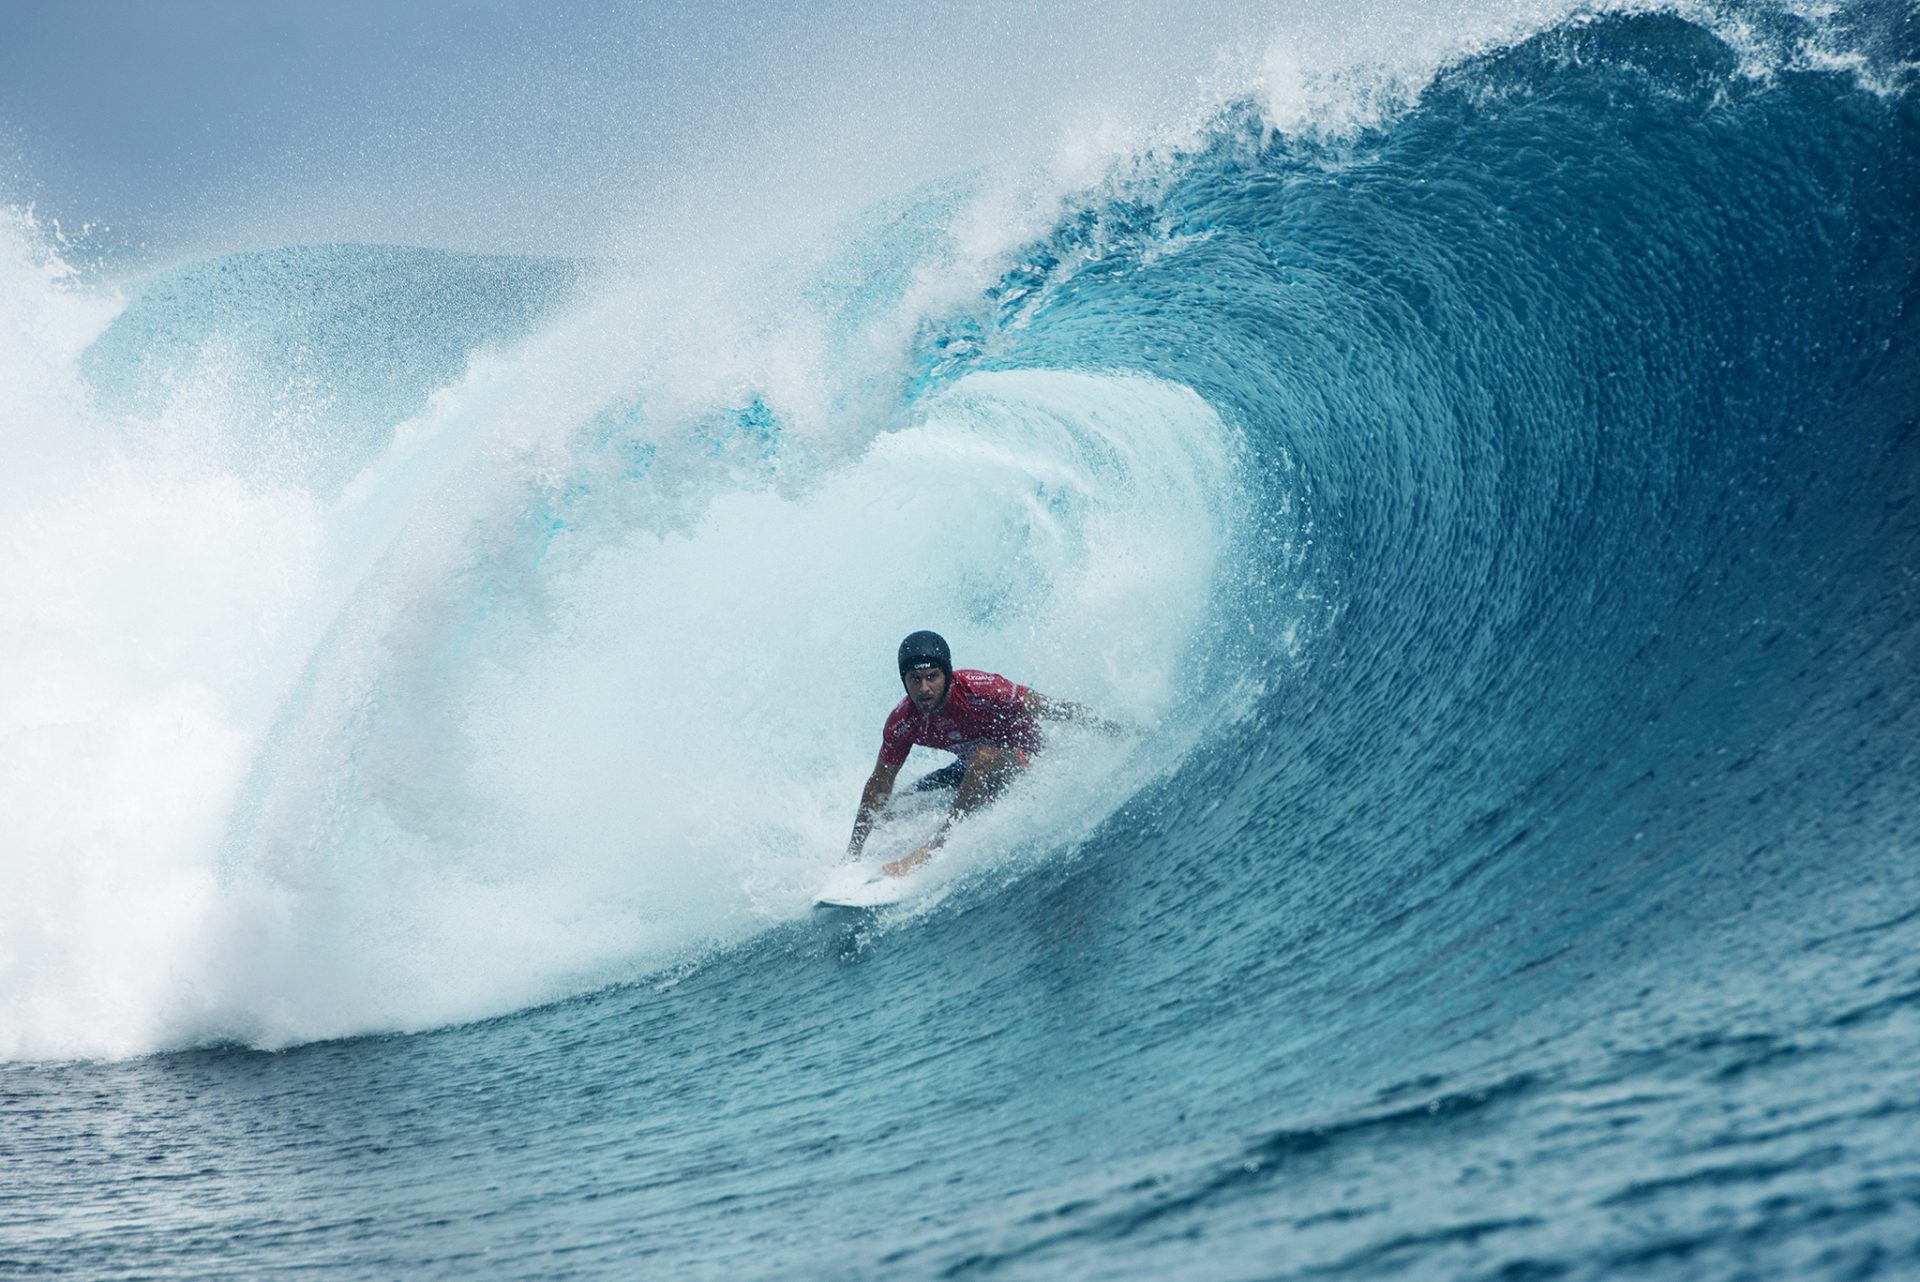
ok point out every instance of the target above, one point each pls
(1503, 514)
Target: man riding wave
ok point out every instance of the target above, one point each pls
(989, 723)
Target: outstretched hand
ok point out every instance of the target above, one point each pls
(908, 862)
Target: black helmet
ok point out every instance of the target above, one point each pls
(925, 650)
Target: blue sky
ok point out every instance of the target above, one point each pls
(189, 126)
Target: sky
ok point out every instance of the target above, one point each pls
(188, 127)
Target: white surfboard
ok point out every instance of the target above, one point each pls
(865, 884)
(910, 819)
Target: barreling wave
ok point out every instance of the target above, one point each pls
(1493, 492)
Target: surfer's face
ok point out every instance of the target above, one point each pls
(927, 687)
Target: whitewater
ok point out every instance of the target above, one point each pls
(1480, 454)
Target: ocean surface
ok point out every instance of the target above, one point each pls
(436, 683)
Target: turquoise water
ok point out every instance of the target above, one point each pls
(1501, 513)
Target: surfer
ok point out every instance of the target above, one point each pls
(989, 723)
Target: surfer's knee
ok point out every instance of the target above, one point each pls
(989, 767)
(989, 756)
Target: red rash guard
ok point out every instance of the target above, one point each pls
(980, 708)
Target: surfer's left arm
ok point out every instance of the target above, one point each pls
(1043, 707)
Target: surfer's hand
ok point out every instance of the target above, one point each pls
(906, 863)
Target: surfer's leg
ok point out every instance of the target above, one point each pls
(947, 776)
(989, 770)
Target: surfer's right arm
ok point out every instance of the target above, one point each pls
(872, 798)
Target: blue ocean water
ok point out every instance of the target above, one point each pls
(1500, 513)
